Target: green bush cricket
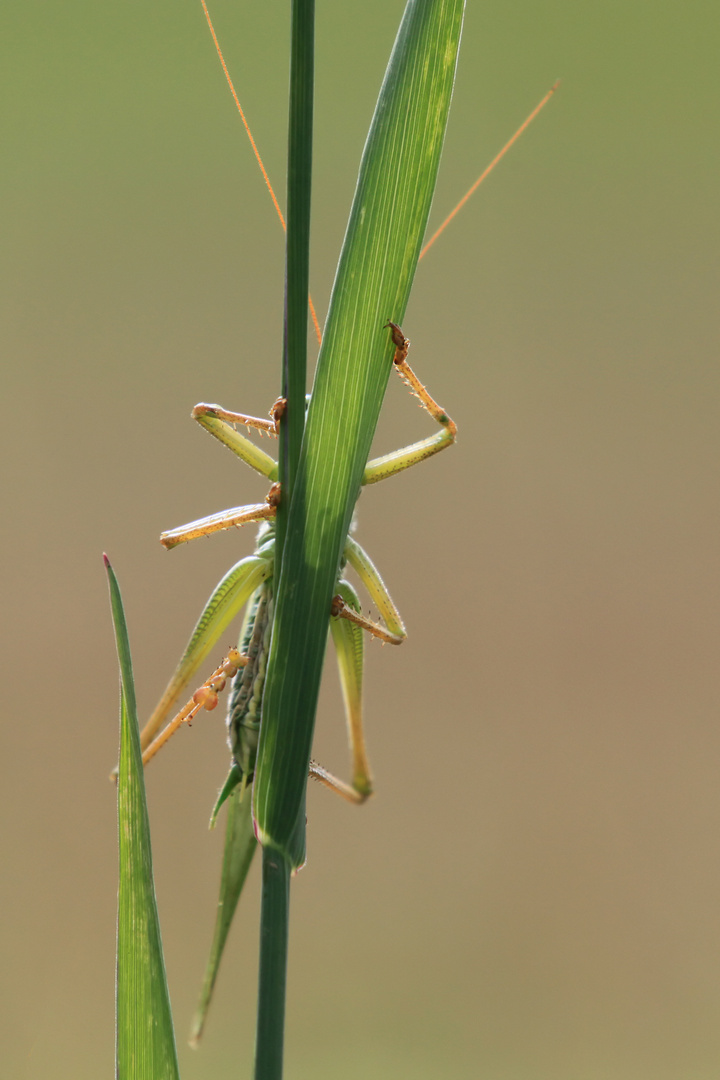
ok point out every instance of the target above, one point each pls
(250, 582)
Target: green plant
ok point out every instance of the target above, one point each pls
(323, 454)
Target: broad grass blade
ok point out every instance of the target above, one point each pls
(145, 1041)
(377, 265)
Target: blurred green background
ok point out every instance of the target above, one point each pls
(533, 894)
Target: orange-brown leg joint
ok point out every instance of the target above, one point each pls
(205, 697)
(411, 380)
(340, 610)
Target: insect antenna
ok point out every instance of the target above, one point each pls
(486, 172)
(483, 175)
(276, 204)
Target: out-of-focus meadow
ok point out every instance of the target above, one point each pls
(533, 893)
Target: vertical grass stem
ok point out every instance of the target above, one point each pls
(297, 263)
(274, 919)
(274, 925)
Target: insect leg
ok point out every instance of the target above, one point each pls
(240, 843)
(350, 794)
(369, 574)
(341, 610)
(266, 427)
(347, 630)
(218, 422)
(205, 697)
(226, 601)
(349, 648)
(398, 460)
(226, 519)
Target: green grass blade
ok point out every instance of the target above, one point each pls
(145, 1041)
(297, 267)
(240, 845)
(377, 265)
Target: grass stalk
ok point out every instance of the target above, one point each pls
(275, 911)
(274, 927)
(297, 261)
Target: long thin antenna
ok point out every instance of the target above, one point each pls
(490, 167)
(486, 172)
(256, 152)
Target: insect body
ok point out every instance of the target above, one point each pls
(245, 705)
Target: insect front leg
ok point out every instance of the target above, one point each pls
(265, 427)
(218, 422)
(398, 460)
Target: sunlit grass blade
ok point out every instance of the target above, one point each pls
(145, 1041)
(377, 265)
(297, 252)
(240, 846)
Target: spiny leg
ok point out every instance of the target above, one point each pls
(339, 609)
(347, 627)
(349, 642)
(348, 639)
(215, 420)
(347, 634)
(406, 373)
(334, 783)
(393, 631)
(265, 427)
(226, 601)
(226, 519)
(205, 697)
(346, 608)
(398, 460)
(369, 575)
(219, 423)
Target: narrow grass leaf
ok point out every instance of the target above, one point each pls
(297, 266)
(145, 1041)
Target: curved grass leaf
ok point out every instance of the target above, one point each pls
(372, 285)
(145, 1041)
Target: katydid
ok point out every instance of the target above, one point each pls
(249, 583)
